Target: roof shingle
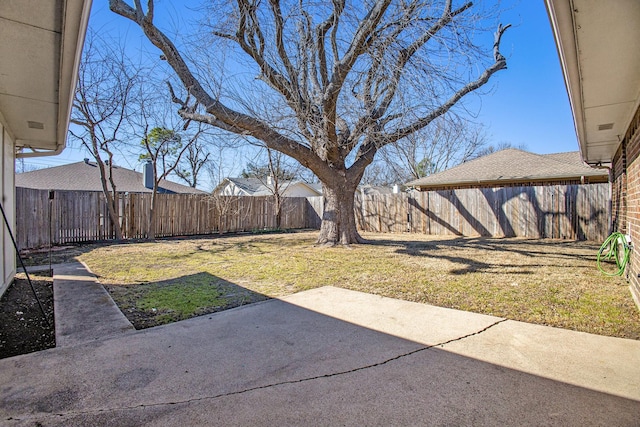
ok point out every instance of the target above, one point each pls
(85, 176)
(256, 187)
(511, 166)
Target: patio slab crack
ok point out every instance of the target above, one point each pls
(262, 387)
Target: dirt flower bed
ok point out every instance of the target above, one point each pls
(23, 328)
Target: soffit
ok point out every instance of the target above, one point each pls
(598, 46)
(39, 53)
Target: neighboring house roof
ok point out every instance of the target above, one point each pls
(257, 187)
(250, 186)
(85, 176)
(375, 189)
(317, 186)
(572, 157)
(514, 166)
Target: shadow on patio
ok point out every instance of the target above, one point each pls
(330, 357)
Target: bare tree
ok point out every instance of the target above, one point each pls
(273, 166)
(449, 141)
(194, 160)
(489, 149)
(226, 160)
(278, 186)
(383, 173)
(100, 110)
(22, 166)
(229, 212)
(345, 78)
(163, 150)
(276, 177)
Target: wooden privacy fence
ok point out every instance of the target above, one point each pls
(189, 214)
(77, 216)
(576, 212)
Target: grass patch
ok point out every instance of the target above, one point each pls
(184, 299)
(548, 282)
(157, 303)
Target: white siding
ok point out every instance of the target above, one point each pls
(298, 190)
(7, 180)
(232, 190)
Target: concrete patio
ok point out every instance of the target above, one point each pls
(328, 356)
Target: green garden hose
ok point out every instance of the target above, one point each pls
(610, 249)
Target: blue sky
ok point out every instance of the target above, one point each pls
(527, 104)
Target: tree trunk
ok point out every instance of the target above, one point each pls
(111, 201)
(114, 212)
(277, 199)
(338, 218)
(151, 231)
(113, 216)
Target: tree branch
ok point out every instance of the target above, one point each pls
(218, 114)
(500, 64)
(406, 54)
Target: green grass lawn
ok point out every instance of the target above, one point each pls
(547, 282)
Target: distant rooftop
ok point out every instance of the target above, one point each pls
(85, 176)
(514, 166)
(259, 187)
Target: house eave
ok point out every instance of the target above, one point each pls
(597, 47)
(40, 53)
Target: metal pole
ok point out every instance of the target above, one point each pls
(51, 196)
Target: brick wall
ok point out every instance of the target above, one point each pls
(626, 198)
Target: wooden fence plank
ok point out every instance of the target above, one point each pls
(556, 211)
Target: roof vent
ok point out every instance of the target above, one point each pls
(86, 160)
(605, 126)
(35, 125)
